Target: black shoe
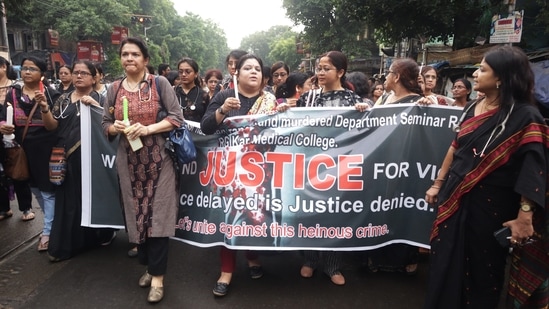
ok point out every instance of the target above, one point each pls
(132, 253)
(220, 289)
(256, 272)
(109, 241)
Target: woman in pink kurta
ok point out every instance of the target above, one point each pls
(146, 175)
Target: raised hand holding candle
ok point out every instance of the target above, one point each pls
(235, 87)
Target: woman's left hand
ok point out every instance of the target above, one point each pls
(282, 107)
(521, 228)
(425, 101)
(136, 130)
(40, 98)
(362, 107)
(87, 100)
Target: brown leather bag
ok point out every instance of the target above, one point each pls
(16, 165)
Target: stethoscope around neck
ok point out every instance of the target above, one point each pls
(499, 128)
(140, 89)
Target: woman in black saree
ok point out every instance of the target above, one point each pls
(494, 175)
(67, 237)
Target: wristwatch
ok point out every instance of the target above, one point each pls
(220, 110)
(526, 207)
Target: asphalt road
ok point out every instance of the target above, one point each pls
(107, 278)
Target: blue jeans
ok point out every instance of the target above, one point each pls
(46, 200)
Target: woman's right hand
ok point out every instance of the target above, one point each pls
(431, 196)
(7, 129)
(230, 104)
(119, 126)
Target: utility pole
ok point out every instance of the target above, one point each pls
(4, 28)
(511, 11)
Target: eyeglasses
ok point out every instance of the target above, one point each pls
(30, 69)
(389, 72)
(325, 70)
(277, 75)
(81, 73)
(187, 71)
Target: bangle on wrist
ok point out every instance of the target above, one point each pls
(436, 187)
(440, 179)
(45, 111)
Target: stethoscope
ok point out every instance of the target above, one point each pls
(140, 90)
(499, 128)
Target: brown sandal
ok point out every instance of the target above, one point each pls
(43, 246)
(27, 215)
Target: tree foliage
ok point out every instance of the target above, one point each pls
(275, 44)
(330, 25)
(170, 36)
(335, 24)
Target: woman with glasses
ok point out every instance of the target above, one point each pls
(141, 107)
(401, 83)
(461, 91)
(27, 102)
(67, 237)
(279, 74)
(335, 92)
(213, 78)
(65, 79)
(192, 99)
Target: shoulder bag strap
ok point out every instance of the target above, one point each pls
(28, 118)
(28, 122)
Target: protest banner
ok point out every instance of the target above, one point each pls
(100, 194)
(319, 178)
(314, 178)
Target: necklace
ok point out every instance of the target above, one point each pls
(137, 84)
(130, 86)
(6, 84)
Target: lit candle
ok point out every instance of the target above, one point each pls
(235, 87)
(41, 84)
(125, 110)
